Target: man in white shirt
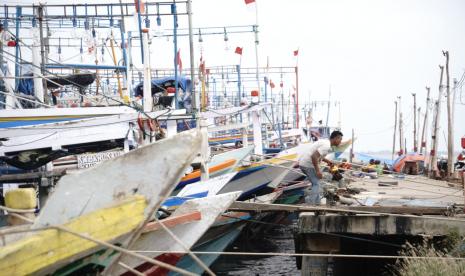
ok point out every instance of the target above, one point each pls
(309, 163)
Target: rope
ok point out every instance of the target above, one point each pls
(132, 270)
(25, 99)
(12, 210)
(194, 257)
(273, 254)
(30, 142)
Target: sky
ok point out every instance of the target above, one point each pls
(366, 52)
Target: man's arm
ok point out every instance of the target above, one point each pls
(316, 164)
(327, 161)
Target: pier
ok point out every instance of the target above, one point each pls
(390, 215)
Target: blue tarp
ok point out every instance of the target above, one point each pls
(160, 85)
(26, 86)
(366, 158)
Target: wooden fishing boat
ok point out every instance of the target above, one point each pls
(154, 243)
(106, 202)
(225, 230)
(258, 175)
(200, 189)
(219, 164)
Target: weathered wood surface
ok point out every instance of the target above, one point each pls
(261, 207)
(52, 247)
(152, 171)
(173, 221)
(188, 233)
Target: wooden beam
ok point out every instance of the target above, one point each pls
(260, 207)
(14, 178)
(173, 221)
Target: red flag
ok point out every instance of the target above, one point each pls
(202, 65)
(178, 60)
(296, 52)
(249, 1)
(238, 50)
(11, 43)
(272, 84)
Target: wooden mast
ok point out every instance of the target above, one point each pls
(450, 142)
(415, 146)
(434, 136)
(425, 122)
(395, 130)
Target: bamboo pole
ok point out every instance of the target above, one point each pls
(450, 130)
(418, 127)
(415, 146)
(401, 138)
(395, 130)
(425, 124)
(112, 45)
(352, 148)
(434, 137)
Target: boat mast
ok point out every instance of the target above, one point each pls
(415, 146)
(450, 129)
(425, 124)
(395, 130)
(401, 138)
(40, 12)
(434, 136)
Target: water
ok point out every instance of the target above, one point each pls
(277, 239)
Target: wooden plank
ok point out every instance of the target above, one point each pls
(172, 221)
(260, 207)
(51, 246)
(20, 177)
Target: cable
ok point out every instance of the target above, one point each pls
(30, 142)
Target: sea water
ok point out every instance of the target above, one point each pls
(277, 239)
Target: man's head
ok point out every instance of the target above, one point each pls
(335, 138)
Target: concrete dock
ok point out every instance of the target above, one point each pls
(410, 210)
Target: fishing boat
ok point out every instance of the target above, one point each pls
(155, 243)
(219, 164)
(100, 207)
(225, 230)
(200, 189)
(255, 176)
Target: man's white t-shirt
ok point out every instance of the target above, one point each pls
(323, 147)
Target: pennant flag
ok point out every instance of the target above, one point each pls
(296, 52)
(238, 51)
(249, 1)
(202, 65)
(139, 4)
(178, 60)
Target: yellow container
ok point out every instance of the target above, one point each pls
(22, 198)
